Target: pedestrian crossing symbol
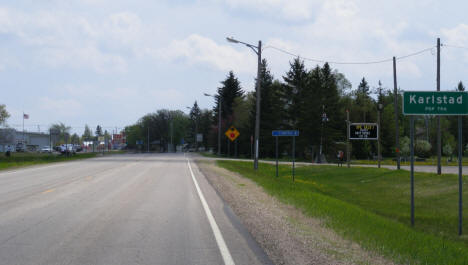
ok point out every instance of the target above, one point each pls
(232, 133)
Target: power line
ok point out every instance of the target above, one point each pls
(350, 63)
(454, 46)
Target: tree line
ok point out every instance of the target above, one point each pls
(314, 101)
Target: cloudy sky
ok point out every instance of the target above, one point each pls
(109, 62)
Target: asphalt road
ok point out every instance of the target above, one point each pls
(123, 209)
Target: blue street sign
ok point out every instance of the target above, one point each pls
(285, 133)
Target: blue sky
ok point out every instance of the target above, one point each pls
(110, 62)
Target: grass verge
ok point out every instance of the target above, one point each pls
(28, 159)
(371, 207)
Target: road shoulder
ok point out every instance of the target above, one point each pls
(286, 235)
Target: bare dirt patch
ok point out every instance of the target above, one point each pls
(284, 232)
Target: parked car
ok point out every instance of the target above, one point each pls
(20, 147)
(46, 149)
(78, 148)
(67, 149)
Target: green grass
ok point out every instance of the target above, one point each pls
(371, 206)
(27, 159)
(432, 161)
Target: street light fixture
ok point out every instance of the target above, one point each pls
(258, 51)
(219, 121)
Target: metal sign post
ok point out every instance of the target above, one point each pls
(276, 137)
(294, 156)
(460, 177)
(412, 167)
(292, 133)
(437, 103)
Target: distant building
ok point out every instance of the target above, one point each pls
(119, 141)
(33, 141)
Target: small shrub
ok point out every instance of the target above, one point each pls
(423, 148)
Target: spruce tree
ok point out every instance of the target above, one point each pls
(270, 110)
(98, 130)
(227, 94)
(194, 115)
(87, 134)
(296, 80)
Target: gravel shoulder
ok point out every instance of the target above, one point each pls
(286, 235)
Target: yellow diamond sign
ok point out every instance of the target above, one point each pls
(232, 133)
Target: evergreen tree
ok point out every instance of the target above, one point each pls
(296, 80)
(229, 90)
(87, 134)
(363, 110)
(460, 86)
(205, 128)
(98, 130)
(194, 115)
(270, 111)
(227, 93)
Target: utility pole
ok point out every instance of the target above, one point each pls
(196, 133)
(324, 119)
(172, 128)
(147, 145)
(258, 51)
(439, 140)
(395, 104)
(379, 106)
(219, 124)
(348, 154)
(220, 103)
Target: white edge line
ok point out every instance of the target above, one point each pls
(217, 233)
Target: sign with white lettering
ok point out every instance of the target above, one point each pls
(435, 103)
(363, 131)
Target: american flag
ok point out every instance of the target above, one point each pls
(25, 116)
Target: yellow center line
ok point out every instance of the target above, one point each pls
(47, 191)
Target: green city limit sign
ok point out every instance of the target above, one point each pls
(435, 103)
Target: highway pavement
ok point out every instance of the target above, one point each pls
(121, 209)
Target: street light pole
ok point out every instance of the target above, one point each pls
(258, 51)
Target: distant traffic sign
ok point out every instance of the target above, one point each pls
(232, 133)
(435, 102)
(285, 133)
(363, 131)
(199, 137)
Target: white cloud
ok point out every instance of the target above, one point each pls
(197, 49)
(83, 57)
(61, 107)
(66, 40)
(457, 35)
(289, 9)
